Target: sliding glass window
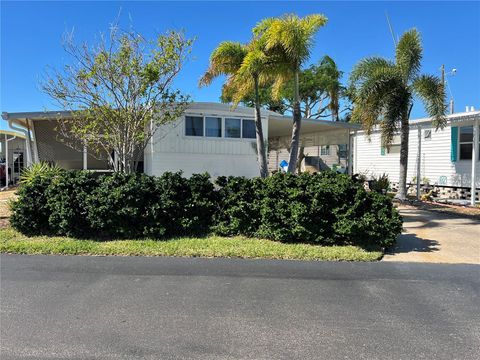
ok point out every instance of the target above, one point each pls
(193, 125)
(232, 128)
(213, 127)
(248, 131)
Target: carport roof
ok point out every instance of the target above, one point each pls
(281, 125)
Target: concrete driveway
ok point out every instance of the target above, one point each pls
(82, 307)
(436, 238)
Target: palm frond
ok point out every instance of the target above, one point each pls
(290, 35)
(431, 91)
(409, 53)
(226, 59)
(367, 66)
(376, 100)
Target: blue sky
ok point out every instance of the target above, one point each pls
(31, 38)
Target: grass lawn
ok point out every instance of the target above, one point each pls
(12, 241)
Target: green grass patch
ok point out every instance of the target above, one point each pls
(212, 246)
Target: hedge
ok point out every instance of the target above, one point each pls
(323, 208)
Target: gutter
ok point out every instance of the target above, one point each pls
(5, 116)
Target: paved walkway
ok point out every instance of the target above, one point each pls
(436, 238)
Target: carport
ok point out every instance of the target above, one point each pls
(323, 144)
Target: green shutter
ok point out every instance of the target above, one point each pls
(454, 144)
(382, 150)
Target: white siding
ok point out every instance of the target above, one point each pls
(436, 164)
(172, 150)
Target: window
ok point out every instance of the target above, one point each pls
(466, 142)
(213, 127)
(427, 135)
(232, 128)
(325, 150)
(395, 146)
(193, 126)
(248, 129)
(342, 151)
(394, 149)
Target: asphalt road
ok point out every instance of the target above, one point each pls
(64, 307)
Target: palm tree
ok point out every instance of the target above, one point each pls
(385, 91)
(287, 41)
(245, 67)
(331, 82)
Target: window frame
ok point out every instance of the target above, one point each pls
(222, 133)
(459, 143)
(185, 127)
(225, 127)
(255, 131)
(327, 148)
(221, 122)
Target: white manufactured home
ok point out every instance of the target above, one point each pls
(447, 158)
(209, 137)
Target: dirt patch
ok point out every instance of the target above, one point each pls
(5, 198)
(4, 223)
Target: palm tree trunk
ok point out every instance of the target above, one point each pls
(297, 123)
(261, 151)
(402, 181)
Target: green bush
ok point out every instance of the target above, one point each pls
(121, 206)
(30, 212)
(380, 184)
(323, 208)
(67, 196)
(238, 211)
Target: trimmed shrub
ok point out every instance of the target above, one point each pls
(238, 211)
(67, 196)
(30, 211)
(120, 206)
(324, 208)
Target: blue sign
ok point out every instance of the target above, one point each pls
(283, 164)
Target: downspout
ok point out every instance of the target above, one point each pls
(35, 143)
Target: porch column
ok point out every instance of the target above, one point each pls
(29, 145)
(419, 159)
(474, 162)
(349, 154)
(85, 158)
(6, 161)
(35, 143)
(354, 157)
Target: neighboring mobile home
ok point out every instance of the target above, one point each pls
(445, 154)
